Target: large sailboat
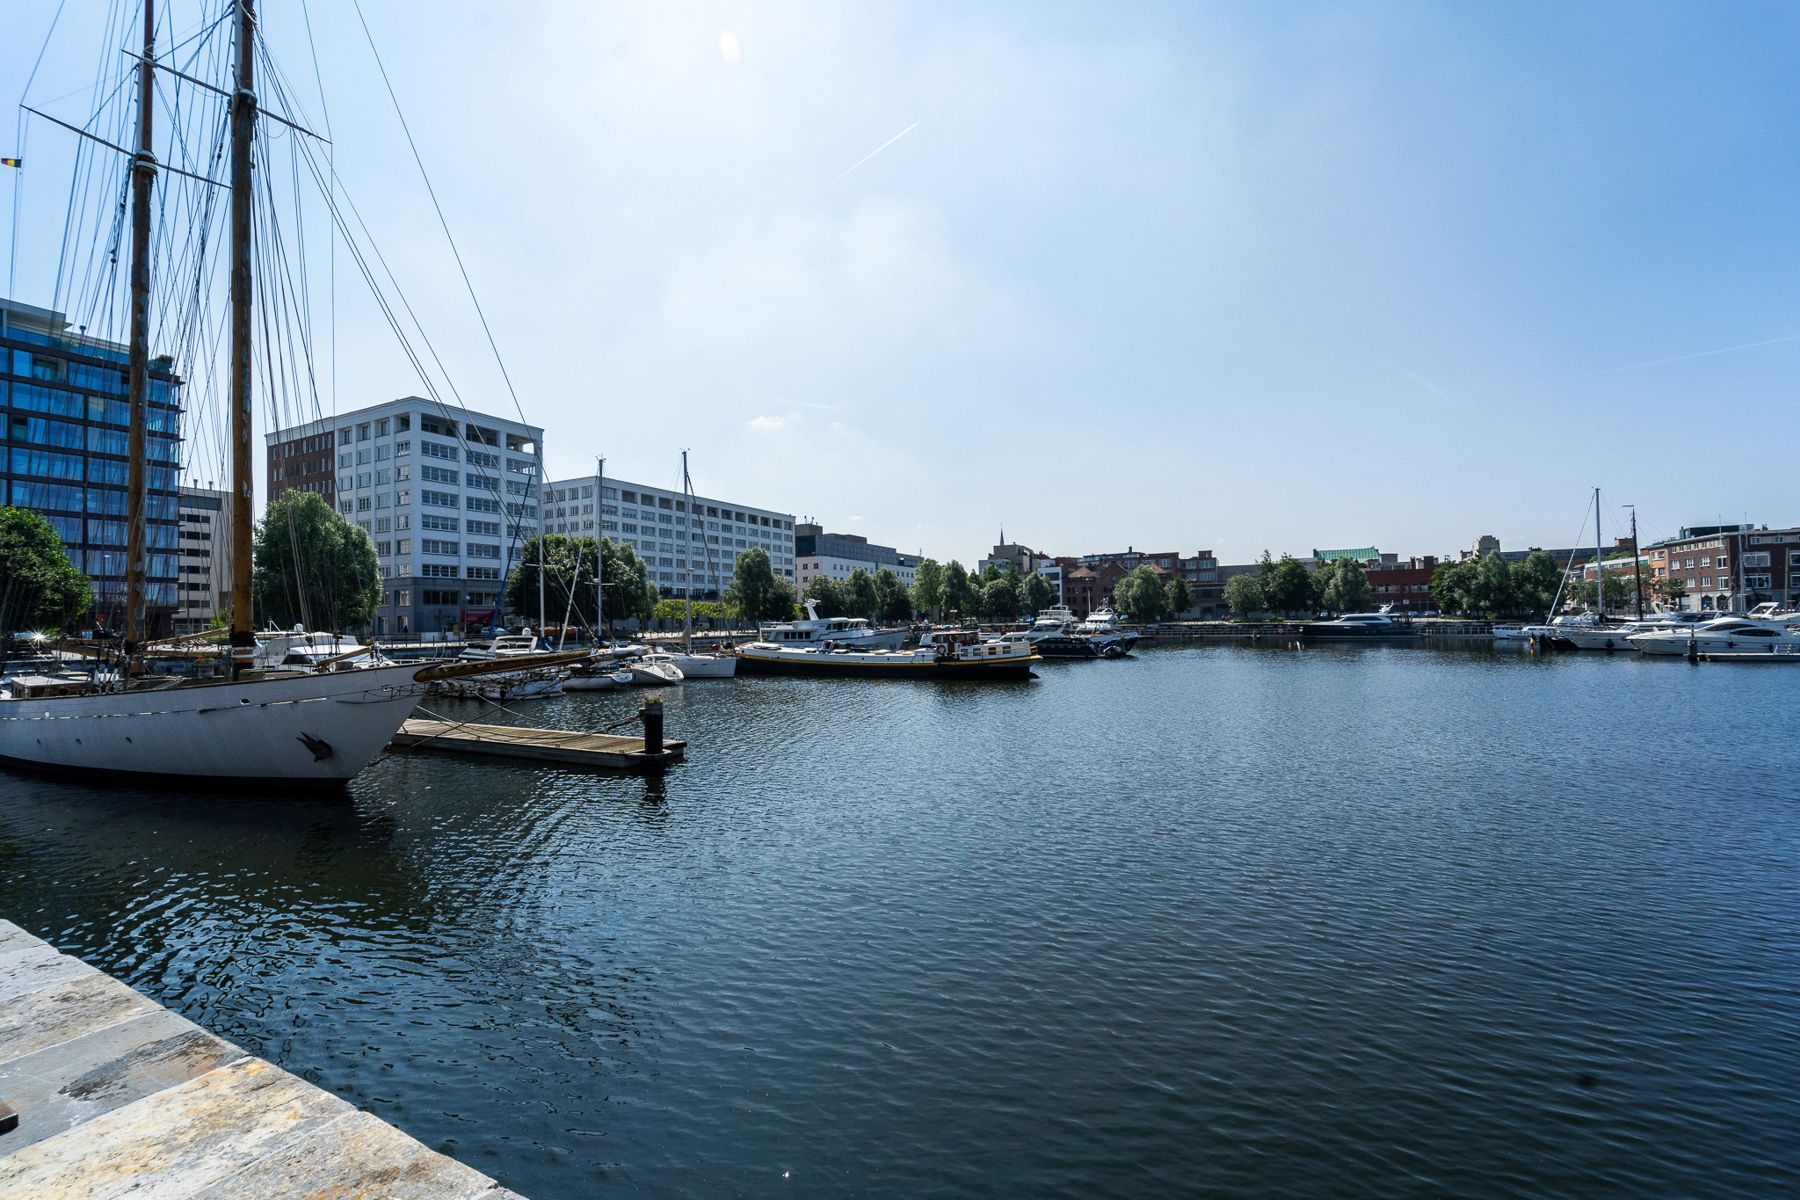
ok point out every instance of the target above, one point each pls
(317, 725)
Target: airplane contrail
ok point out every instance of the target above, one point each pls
(865, 158)
(1658, 362)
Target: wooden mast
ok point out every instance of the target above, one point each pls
(243, 126)
(143, 179)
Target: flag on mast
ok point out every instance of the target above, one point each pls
(12, 162)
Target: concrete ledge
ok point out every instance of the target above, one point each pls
(117, 1096)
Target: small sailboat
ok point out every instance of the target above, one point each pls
(697, 665)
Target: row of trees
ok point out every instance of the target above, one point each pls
(1144, 596)
(1528, 587)
(1284, 586)
(999, 593)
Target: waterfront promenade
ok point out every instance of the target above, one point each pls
(115, 1095)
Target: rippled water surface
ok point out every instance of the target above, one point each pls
(1354, 922)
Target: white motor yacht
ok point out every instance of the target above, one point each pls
(853, 633)
(1358, 627)
(1103, 623)
(533, 683)
(299, 648)
(1722, 637)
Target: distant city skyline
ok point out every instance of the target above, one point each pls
(1221, 276)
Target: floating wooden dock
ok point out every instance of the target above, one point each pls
(565, 747)
(112, 1095)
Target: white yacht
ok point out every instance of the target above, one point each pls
(1722, 637)
(1380, 626)
(1104, 623)
(1054, 621)
(852, 633)
(305, 650)
(653, 670)
(528, 683)
(597, 675)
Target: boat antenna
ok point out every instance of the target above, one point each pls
(243, 126)
(143, 180)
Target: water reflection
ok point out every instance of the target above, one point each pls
(1235, 919)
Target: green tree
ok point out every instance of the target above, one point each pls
(39, 586)
(893, 604)
(959, 594)
(859, 594)
(1491, 585)
(569, 568)
(563, 574)
(1038, 593)
(752, 593)
(1177, 598)
(313, 567)
(1348, 589)
(1140, 594)
(1244, 595)
(1451, 586)
(928, 587)
(1288, 589)
(1535, 579)
(783, 603)
(629, 592)
(1669, 590)
(1618, 587)
(1000, 597)
(827, 596)
(1321, 583)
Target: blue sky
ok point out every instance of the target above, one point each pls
(1221, 276)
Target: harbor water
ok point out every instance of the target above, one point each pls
(1230, 920)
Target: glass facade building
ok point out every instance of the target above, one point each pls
(64, 433)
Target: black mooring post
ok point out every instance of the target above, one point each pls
(652, 717)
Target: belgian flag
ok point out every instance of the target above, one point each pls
(12, 162)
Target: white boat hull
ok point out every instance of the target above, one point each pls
(605, 682)
(705, 666)
(317, 728)
(654, 674)
(509, 688)
(1612, 638)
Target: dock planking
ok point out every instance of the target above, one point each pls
(567, 747)
(117, 1096)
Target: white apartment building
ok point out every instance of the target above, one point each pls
(448, 497)
(672, 536)
(839, 555)
(203, 589)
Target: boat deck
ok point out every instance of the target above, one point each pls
(567, 747)
(104, 1093)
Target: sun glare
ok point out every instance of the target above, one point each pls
(729, 49)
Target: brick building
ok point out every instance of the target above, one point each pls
(1727, 567)
(1088, 581)
(1404, 583)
